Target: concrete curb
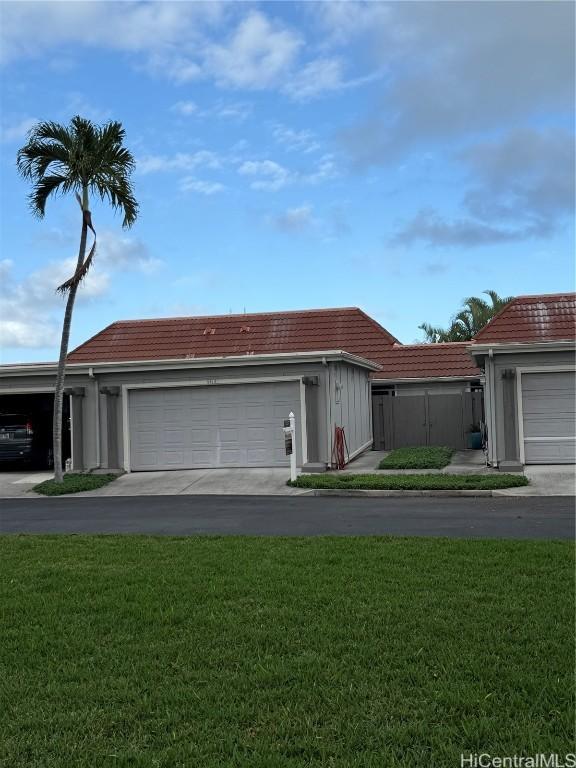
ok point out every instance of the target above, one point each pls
(395, 493)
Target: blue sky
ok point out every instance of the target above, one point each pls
(397, 157)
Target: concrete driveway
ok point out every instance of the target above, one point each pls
(195, 482)
(14, 485)
(546, 480)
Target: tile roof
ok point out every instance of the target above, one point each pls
(424, 361)
(549, 317)
(347, 329)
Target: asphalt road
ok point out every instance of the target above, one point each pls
(516, 518)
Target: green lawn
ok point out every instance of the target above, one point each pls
(419, 457)
(439, 482)
(73, 483)
(276, 652)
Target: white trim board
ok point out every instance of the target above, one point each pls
(163, 364)
(519, 407)
(209, 383)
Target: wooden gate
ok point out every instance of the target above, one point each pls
(425, 419)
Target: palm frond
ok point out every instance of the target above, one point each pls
(48, 185)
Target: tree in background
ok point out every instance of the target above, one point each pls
(88, 160)
(476, 312)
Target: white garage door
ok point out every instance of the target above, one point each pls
(548, 406)
(236, 425)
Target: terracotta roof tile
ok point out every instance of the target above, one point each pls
(348, 329)
(422, 361)
(527, 319)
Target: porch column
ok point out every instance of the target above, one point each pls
(76, 395)
(511, 461)
(111, 394)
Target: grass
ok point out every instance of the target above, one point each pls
(282, 653)
(438, 482)
(73, 483)
(421, 457)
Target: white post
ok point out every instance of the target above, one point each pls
(293, 454)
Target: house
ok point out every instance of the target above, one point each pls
(212, 391)
(527, 352)
(195, 392)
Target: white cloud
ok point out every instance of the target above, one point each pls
(298, 141)
(237, 110)
(29, 29)
(326, 169)
(293, 219)
(256, 55)
(181, 161)
(190, 184)
(232, 44)
(31, 309)
(17, 130)
(271, 175)
(185, 108)
(125, 253)
(316, 77)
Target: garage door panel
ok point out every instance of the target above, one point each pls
(238, 425)
(549, 452)
(549, 404)
(549, 427)
(548, 415)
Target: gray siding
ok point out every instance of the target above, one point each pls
(350, 405)
(315, 412)
(501, 400)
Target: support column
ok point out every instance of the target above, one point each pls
(77, 416)
(511, 461)
(112, 394)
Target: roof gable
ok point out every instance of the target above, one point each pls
(532, 319)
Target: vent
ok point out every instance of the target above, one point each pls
(244, 329)
(209, 331)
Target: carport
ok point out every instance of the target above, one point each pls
(36, 405)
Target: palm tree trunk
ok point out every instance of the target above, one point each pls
(60, 376)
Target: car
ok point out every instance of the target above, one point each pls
(20, 443)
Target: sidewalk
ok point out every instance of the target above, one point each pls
(463, 463)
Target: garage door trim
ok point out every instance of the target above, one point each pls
(519, 409)
(210, 383)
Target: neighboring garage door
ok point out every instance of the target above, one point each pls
(548, 407)
(236, 425)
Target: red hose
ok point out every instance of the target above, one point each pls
(340, 454)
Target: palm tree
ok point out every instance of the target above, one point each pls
(88, 160)
(475, 314)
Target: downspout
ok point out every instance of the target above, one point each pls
(97, 396)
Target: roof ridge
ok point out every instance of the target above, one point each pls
(571, 294)
(235, 315)
(433, 344)
(495, 317)
(377, 325)
(95, 336)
